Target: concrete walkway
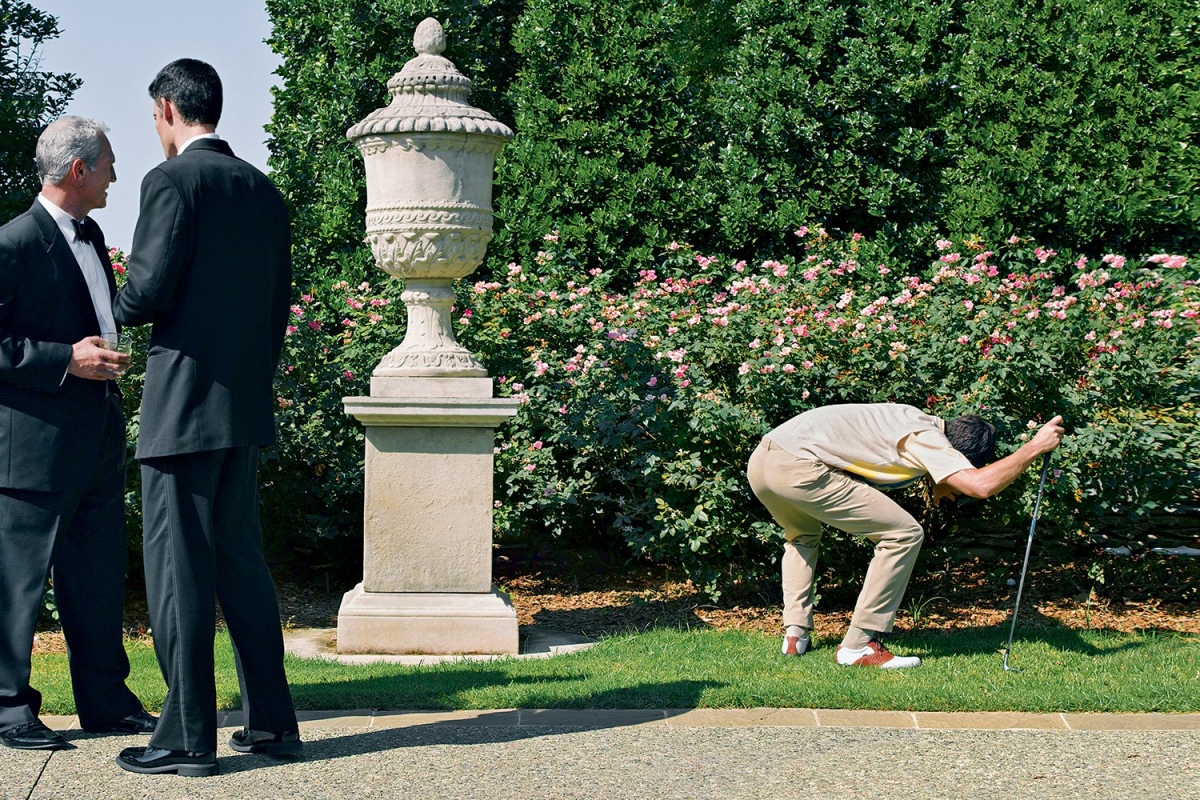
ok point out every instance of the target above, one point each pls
(661, 753)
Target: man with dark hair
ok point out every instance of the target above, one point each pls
(828, 466)
(194, 89)
(210, 269)
(974, 437)
(62, 443)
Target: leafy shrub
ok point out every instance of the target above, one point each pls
(29, 99)
(1081, 126)
(729, 124)
(606, 133)
(640, 408)
(313, 482)
(838, 109)
(898, 119)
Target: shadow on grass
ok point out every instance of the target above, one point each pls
(635, 616)
(429, 688)
(1032, 626)
(490, 727)
(436, 689)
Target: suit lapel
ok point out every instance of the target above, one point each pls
(68, 275)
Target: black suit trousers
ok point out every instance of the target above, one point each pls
(81, 533)
(203, 540)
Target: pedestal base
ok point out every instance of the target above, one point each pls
(426, 623)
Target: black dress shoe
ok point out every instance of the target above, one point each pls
(279, 745)
(33, 736)
(155, 760)
(137, 722)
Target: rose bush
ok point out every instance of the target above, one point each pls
(313, 482)
(131, 401)
(640, 408)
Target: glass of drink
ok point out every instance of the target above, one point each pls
(120, 342)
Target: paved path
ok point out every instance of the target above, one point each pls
(754, 753)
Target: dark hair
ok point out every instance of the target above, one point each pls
(974, 437)
(193, 86)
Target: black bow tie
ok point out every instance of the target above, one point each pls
(86, 230)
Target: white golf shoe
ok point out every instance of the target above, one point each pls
(874, 655)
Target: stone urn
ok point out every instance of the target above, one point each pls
(430, 419)
(429, 157)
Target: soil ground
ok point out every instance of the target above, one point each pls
(579, 599)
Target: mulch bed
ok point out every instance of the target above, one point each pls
(575, 597)
(960, 597)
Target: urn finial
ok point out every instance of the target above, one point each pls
(429, 94)
(429, 38)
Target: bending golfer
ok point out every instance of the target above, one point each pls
(828, 466)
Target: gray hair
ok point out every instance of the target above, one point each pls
(63, 141)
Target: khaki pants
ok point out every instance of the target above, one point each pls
(801, 494)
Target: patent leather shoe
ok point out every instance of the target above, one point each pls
(279, 745)
(156, 760)
(33, 736)
(137, 722)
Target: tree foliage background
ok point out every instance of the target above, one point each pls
(728, 124)
(29, 99)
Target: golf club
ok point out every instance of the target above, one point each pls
(1037, 504)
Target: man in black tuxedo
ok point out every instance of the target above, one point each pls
(210, 268)
(62, 443)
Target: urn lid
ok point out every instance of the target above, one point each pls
(429, 95)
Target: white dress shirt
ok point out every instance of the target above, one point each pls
(188, 143)
(89, 265)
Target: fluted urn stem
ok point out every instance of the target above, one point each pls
(429, 348)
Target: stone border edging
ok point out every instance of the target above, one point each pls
(318, 643)
(724, 718)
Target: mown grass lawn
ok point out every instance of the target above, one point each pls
(1062, 670)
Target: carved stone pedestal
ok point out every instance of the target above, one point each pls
(426, 623)
(427, 523)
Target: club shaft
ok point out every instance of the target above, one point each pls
(1037, 504)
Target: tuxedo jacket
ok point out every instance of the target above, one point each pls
(49, 424)
(210, 269)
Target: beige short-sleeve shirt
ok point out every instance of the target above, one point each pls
(931, 451)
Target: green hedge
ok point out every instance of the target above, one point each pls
(729, 124)
(1069, 122)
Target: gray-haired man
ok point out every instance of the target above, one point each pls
(62, 443)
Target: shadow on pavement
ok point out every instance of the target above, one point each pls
(493, 727)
